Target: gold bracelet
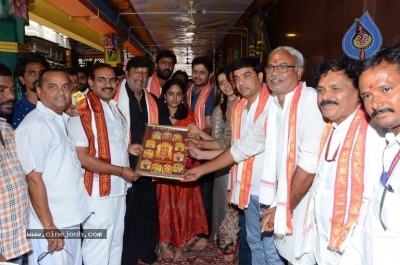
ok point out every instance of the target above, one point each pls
(120, 173)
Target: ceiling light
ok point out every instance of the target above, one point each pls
(189, 33)
(191, 27)
(290, 35)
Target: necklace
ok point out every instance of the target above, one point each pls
(327, 150)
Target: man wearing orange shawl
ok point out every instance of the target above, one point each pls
(290, 133)
(349, 164)
(200, 99)
(141, 220)
(246, 180)
(100, 136)
(164, 67)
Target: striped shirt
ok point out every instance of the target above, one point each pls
(14, 198)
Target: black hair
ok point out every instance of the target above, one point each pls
(118, 71)
(221, 99)
(204, 60)
(390, 54)
(183, 109)
(246, 62)
(80, 69)
(166, 54)
(346, 64)
(139, 61)
(97, 66)
(4, 70)
(30, 57)
(180, 72)
(39, 82)
(71, 71)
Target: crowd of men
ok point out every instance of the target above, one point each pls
(313, 168)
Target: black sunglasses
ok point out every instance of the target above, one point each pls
(44, 254)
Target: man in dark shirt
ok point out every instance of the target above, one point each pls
(201, 100)
(28, 67)
(141, 220)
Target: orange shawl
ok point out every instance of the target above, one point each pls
(354, 145)
(102, 141)
(236, 125)
(200, 104)
(152, 108)
(155, 85)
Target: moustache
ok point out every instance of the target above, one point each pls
(104, 88)
(377, 111)
(273, 78)
(328, 101)
(6, 102)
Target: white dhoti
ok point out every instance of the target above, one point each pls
(109, 215)
(69, 255)
(287, 247)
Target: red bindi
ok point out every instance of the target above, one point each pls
(370, 86)
(275, 61)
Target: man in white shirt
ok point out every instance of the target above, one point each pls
(351, 149)
(101, 138)
(290, 132)
(164, 67)
(246, 180)
(379, 84)
(53, 172)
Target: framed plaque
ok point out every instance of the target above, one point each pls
(164, 152)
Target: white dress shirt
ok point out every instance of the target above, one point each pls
(117, 139)
(44, 146)
(380, 246)
(324, 190)
(246, 122)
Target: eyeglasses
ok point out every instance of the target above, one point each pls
(388, 188)
(282, 68)
(44, 254)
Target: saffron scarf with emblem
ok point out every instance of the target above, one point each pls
(200, 106)
(152, 107)
(349, 176)
(354, 145)
(155, 85)
(102, 142)
(246, 175)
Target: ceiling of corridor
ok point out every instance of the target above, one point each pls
(163, 24)
(189, 28)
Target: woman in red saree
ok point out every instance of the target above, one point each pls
(180, 207)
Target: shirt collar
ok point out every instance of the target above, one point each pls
(346, 123)
(288, 96)
(51, 115)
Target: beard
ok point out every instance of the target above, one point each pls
(6, 102)
(33, 89)
(164, 74)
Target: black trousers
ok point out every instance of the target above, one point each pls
(141, 223)
(206, 188)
